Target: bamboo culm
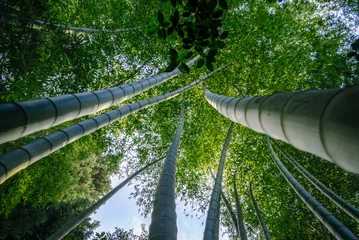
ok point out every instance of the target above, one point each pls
(209, 230)
(347, 207)
(164, 218)
(242, 229)
(259, 214)
(23, 156)
(322, 122)
(329, 221)
(23, 118)
(68, 227)
(229, 208)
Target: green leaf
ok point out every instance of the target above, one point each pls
(217, 14)
(211, 5)
(173, 55)
(179, 2)
(170, 68)
(224, 35)
(187, 41)
(174, 3)
(209, 66)
(170, 30)
(203, 43)
(160, 17)
(183, 68)
(221, 44)
(200, 63)
(223, 4)
(188, 55)
(180, 32)
(185, 46)
(357, 57)
(186, 14)
(161, 33)
(151, 28)
(351, 54)
(155, 19)
(193, 3)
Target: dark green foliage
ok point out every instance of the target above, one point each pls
(197, 25)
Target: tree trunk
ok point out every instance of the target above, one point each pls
(347, 207)
(21, 157)
(209, 230)
(242, 230)
(231, 212)
(259, 214)
(229, 207)
(37, 24)
(325, 122)
(65, 229)
(216, 232)
(329, 221)
(23, 118)
(164, 218)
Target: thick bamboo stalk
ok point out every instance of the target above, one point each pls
(23, 118)
(164, 218)
(325, 122)
(240, 222)
(329, 221)
(347, 207)
(37, 24)
(69, 226)
(259, 214)
(216, 230)
(21, 157)
(209, 230)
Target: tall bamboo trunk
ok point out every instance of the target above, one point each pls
(347, 207)
(209, 231)
(242, 230)
(231, 212)
(23, 156)
(37, 24)
(229, 207)
(164, 218)
(329, 221)
(325, 122)
(23, 118)
(216, 230)
(259, 214)
(68, 227)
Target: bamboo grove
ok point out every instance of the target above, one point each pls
(265, 93)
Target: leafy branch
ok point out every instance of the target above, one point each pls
(199, 25)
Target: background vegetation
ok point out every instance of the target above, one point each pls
(274, 47)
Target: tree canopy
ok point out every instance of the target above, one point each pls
(273, 46)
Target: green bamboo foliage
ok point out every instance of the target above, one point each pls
(23, 118)
(23, 156)
(347, 207)
(329, 221)
(322, 122)
(240, 222)
(37, 24)
(209, 231)
(259, 214)
(164, 218)
(68, 227)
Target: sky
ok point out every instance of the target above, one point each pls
(122, 212)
